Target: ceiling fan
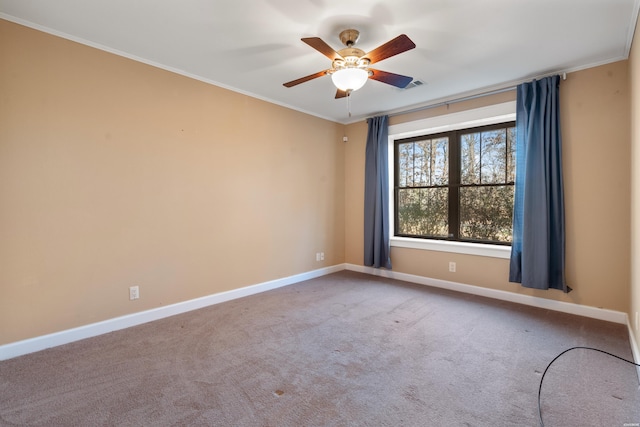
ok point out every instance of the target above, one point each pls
(350, 66)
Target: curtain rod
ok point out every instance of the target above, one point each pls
(511, 87)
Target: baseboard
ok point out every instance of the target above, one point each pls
(32, 345)
(565, 307)
(635, 350)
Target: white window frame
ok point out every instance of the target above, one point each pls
(493, 114)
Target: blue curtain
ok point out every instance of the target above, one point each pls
(376, 195)
(538, 247)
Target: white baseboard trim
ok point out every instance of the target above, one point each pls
(635, 350)
(565, 307)
(32, 345)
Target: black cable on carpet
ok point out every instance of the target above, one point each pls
(558, 356)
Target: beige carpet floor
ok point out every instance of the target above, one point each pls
(346, 349)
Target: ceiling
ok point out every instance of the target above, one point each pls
(463, 47)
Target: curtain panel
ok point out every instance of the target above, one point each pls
(538, 247)
(376, 195)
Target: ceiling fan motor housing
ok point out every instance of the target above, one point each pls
(352, 57)
(351, 52)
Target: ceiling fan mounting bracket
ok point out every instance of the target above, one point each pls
(349, 37)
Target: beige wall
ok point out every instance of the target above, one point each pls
(114, 173)
(595, 129)
(634, 73)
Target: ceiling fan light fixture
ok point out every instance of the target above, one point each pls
(349, 79)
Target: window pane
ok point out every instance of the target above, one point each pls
(470, 158)
(423, 212)
(486, 213)
(423, 163)
(421, 151)
(511, 154)
(405, 165)
(438, 161)
(494, 157)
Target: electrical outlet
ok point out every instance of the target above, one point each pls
(134, 292)
(321, 256)
(452, 266)
(317, 256)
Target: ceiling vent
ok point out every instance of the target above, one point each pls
(414, 83)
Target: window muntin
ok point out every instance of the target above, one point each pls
(456, 185)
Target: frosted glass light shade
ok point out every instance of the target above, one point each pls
(349, 78)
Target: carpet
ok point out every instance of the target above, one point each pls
(346, 349)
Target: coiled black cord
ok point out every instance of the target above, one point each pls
(555, 358)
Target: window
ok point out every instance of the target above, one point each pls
(456, 185)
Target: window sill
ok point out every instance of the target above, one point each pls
(494, 251)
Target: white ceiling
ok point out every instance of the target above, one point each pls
(253, 47)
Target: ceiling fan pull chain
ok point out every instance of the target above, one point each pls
(349, 102)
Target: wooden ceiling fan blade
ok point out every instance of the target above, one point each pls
(305, 79)
(396, 80)
(400, 44)
(318, 44)
(341, 94)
